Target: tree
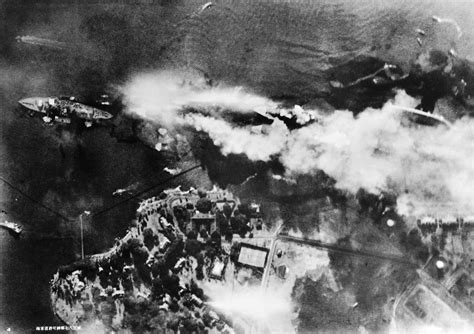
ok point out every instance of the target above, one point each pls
(414, 245)
(234, 251)
(127, 284)
(216, 239)
(199, 269)
(143, 272)
(244, 209)
(221, 222)
(133, 243)
(239, 222)
(163, 195)
(181, 215)
(190, 324)
(174, 252)
(192, 235)
(159, 268)
(157, 289)
(158, 322)
(148, 238)
(204, 205)
(192, 247)
(171, 285)
(194, 288)
(321, 309)
(227, 209)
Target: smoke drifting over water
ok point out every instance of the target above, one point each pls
(374, 151)
(426, 166)
(160, 96)
(257, 146)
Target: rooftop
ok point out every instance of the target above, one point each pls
(253, 256)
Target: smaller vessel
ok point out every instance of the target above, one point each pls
(172, 171)
(418, 40)
(12, 227)
(421, 32)
(422, 117)
(205, 6)
(49, 43)
(120, 192)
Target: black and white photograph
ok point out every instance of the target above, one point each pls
(237, 166)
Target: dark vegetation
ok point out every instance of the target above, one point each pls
(172, 304)
(380, 208)
(322, 309)
(374, 282)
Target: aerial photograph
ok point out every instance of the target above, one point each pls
(237, 166)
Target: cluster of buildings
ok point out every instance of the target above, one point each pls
(449, 223)
(201, 212)
(443, 296)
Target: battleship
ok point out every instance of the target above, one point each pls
(63, 110)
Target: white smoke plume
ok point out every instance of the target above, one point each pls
(259, 308)
(374, 151)
(427, 166)
(257, 146)
(161, 96)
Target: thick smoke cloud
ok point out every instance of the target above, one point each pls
(258, 146)
(160, 96)
(428, 167)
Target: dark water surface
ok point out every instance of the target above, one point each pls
(275, 47)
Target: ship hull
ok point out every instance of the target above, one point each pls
(67, 108)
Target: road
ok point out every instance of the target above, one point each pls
(330, 247)
(349, 251)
